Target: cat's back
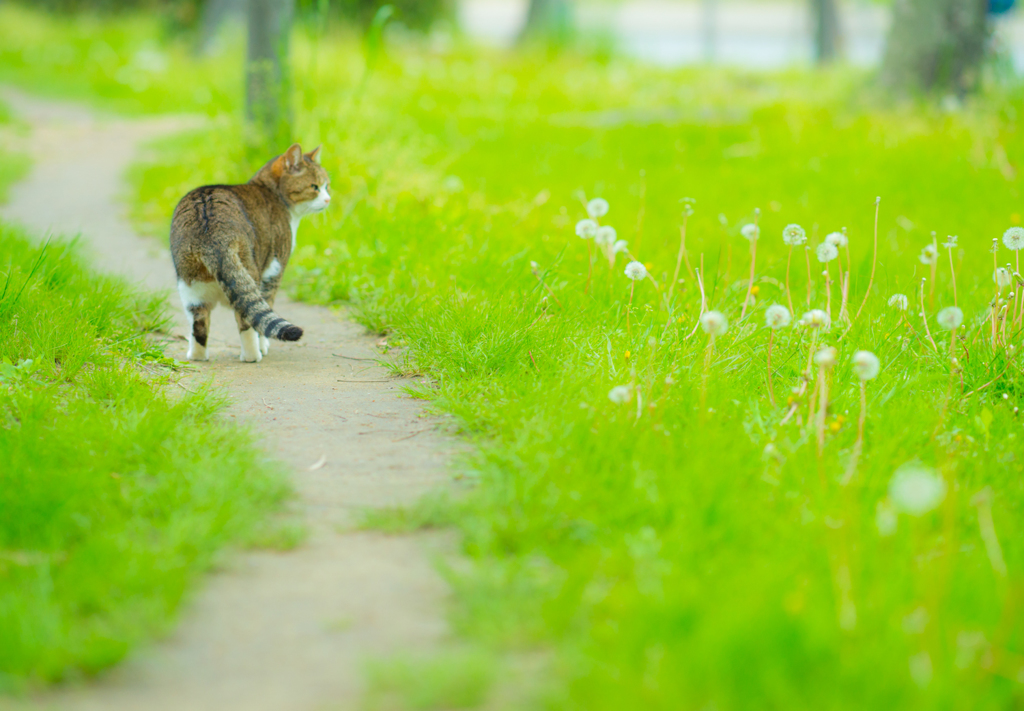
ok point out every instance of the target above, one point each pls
(211, 209)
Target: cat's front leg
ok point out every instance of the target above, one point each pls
(264, 344)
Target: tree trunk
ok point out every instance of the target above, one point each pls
(936, 46)
(267, 106)
(825, 15)
(215, 13)
(547, 19)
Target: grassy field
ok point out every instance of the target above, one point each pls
(684, 541)
(116, 488)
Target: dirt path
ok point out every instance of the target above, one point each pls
(275, 631)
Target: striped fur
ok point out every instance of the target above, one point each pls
(231, 244)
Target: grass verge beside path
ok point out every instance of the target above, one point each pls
(693, 546)
(116, 490)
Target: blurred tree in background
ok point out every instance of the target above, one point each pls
(547, 19)
(827, 33)
(936, 46)
(267, 78)
(416, 14)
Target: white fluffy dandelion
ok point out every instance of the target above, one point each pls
(826, 252)
(950, 317)
(816, 318)
(605, 235)
(620, 246)
(1013, 238)
(916, 489)
(586, 229)
(929, 255)
(950, 242)
(794, 235)
(837, 239)
(866, 365)
(826, 357)
(1002, 277)
(598, 207)
(714, 323)
(899, 301)
(620, 394)
(777, 316)
(750, 232)
(636, 271)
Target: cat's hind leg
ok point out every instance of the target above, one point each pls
(198, 313)
(269, 281)
(250, 339)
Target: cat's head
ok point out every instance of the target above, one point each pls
(301, 180)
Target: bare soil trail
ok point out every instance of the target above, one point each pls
(269, 631)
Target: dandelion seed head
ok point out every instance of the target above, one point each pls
(714, 323)
(866, 365)
(636, 271)
(916, 489)
(816, 318)
(1002, 277)
(826, 357)
(620, 394)
(950, 242)
(929, 255)
(950, 317)
(586, 229)
(837, 240)
(750, 232)
(1013, 238)
(620, 245)
(777, 316)
(598, 207)
(794, 235)
(827, 252)
(605, 235)
(899, 301)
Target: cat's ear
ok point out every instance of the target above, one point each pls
(289, 161)
(314, 155)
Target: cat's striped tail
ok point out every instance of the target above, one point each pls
(245, 297)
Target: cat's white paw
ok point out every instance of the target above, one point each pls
(264, 345)
(196, 351)
(250, 346)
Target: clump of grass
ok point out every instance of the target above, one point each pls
(456, 679)
(116, 489)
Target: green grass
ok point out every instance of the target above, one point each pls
(117, 488)
(690, 548)
(457, 679)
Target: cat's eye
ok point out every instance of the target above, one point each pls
(316, 187)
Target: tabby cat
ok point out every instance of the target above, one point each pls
(231, 243)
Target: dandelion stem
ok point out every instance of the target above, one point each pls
(629, 308)
(874, 262)
(952, 273)
(753, 262)
(590, 266)
(822, 408)
(828, 292)
(924, 317)
(807, 254)
(789, 297)
(935, 266)
(851, 468)
(679, 259)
